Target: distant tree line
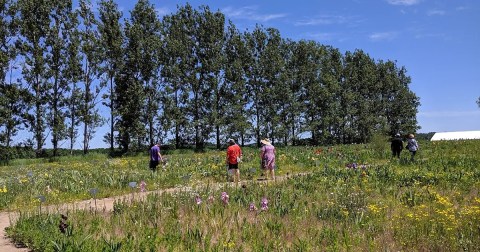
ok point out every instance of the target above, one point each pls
(190, 77)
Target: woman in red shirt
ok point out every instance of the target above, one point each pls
(234, 155)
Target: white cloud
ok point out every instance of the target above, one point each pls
(403, 2)
(250, 13)
(323, 20)
(163, 11)
(380, 36)
(436, 12)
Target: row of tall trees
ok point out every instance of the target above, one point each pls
(191, 77)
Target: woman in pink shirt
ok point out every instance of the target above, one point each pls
(267, 154)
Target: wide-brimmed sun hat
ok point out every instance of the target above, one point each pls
(265, 141)
(411, 135)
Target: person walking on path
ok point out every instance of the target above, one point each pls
(397, 145)
(412, 146)
(267, 155)
(234, 155)
(155, 157)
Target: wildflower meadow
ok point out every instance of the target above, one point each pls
(330, 198)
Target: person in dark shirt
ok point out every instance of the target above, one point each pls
(155, 156)
(397, 145)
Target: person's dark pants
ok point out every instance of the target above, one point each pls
(153, 165)
(412, 158)
(396, 153)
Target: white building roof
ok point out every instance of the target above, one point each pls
(456, 135)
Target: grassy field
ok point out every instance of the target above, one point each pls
(349, 198)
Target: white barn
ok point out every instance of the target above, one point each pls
(456, 135)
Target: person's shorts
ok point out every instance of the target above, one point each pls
(153, 164)
(232, 166)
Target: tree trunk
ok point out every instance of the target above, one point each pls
(38, 124)
(177, 127)
(87, 118)
(112, 126)
(218, 137)
(9, 133)
(293, 133)
(257, 126)
(55, 117)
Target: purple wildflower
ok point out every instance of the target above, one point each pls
(352, 165)
(225, 198)
(198, 200)
(264, 204)
(142, 186)
(252, 207)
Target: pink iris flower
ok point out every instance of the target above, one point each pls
(225, 197)
(198, 200)
(252, 207)
(142, 186)
(264, 204)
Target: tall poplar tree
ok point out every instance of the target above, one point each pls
(293, 93)
(210, 35)
(6, 29)
(331, 76)
(73, 73)
(34, 24)
(178, 68)
(111, 39)
(274, 89)
(306, 66)
(360, 83)
(129, 96)
(57, 42)
(233, 96)
(144, 39)
(90, 52)
(12, 95)
(399, 105)
(137, 91)
(256, 43)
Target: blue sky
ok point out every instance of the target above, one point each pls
(436, 40)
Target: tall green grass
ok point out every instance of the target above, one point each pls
(377, 204)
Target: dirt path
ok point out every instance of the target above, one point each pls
(8, 218)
